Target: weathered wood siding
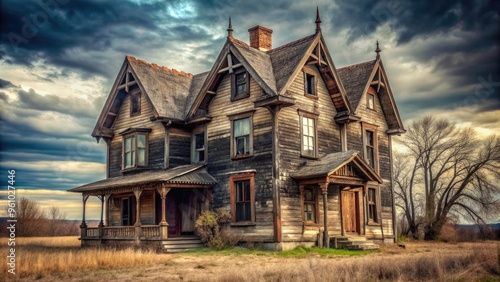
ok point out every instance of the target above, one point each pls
(220, 163)
(147, 207)
(328, 134)
(355, 142)
(125, 121)
(179, 141)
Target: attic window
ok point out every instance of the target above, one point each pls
(240, 85)
(310, 84)
(135, 103)
(370, 101)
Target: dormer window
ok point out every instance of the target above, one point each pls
(240, 84)
(135, 148)
(135, 103)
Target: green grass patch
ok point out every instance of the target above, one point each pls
(298, 252)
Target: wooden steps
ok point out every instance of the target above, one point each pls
(179, 244)
(353, 243)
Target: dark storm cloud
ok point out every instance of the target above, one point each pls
(71, 106)
(5, 84)
(58, 34)
(4, 97)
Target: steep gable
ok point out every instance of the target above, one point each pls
(166, 91)
(358, 78)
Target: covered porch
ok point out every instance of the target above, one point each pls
(147, 207)
(348, 178)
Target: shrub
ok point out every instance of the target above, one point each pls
(209, 225)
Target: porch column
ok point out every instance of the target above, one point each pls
(106, 208)
(101, 223)
(137, 193)
(83, 226)
(163, 223)
(324, 191)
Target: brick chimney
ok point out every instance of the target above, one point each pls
(261, 38)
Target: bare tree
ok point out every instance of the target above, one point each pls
(456, 172)
(30, 218)
(56, 221)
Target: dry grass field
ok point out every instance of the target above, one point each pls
(61, 259)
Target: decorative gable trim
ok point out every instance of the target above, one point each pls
(378, 79)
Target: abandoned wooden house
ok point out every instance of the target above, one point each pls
(297, 150)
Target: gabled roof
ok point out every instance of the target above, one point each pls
(260, 62)
(327, 165)
(286, 58)
(167, 89)
(188, 174)
(358, 78)
(355, 78)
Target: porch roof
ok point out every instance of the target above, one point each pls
(195, 174)
(327, 165)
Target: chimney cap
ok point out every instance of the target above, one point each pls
(261, 28)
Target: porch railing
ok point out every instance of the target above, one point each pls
(119, 232)
(150, 231)
(123, 232)
(92, 232)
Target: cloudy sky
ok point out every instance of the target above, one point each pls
(59, 58)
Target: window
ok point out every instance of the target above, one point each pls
(135, 147)
(370, 145)
(242, 198)
(198, 146)
(309, 83)
(241, 135)
(372, 205)
(240, 84)
(135, 103)
(310, 198)
(370, 148)
(308, 135)
(370, 101)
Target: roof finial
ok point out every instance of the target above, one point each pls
(318, 20)
(378, 51)
(230, 29)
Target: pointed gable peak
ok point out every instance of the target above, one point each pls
(318, 21)
(230, 29)
(378, 51)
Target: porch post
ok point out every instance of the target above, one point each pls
(83, 226)
(137, 193)
(106, 208)
(101, 223)
(163, 224)
(324, 191)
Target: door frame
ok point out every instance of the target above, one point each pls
(358, 191)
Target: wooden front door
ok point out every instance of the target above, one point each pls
(350, 211)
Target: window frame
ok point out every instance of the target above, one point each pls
(135, 93)
(365, 127)
(232, 119)
(304, 203)
(194, 151)
(370, 95)
(370, 98)
(310, 73)
(314, 117)
(234, 87)
(134, 133)
(233, 179)
(375, 204)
